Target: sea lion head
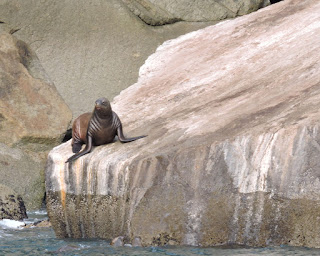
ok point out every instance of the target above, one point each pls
(103, 107)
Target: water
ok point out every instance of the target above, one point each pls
(41, 241)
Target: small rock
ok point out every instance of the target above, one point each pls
(136, 242)
(43, 224)
(118, 241)
(11, 204)
(68, 248)
(172, 242)
(39, 224)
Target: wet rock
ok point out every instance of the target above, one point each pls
(155, 12)
(165, 239)
(232, 117)
(11, 204)
(39, 224)
(136, 242)
(118, 241)
(68, 248)
(33, 119)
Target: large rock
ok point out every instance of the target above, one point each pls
(160, 12)
(33, 119)
(89, 49)
(11, 205)
(232, 153)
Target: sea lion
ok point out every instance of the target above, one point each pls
(96, 128)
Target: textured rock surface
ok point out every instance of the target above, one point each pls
(31, 110)
(232, 153)
(11, 205)
(33, 119)
(39, 224)
(89, 49)
(160, 12)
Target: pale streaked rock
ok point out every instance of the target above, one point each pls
(232, 153)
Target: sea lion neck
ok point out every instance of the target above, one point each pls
(102, 112)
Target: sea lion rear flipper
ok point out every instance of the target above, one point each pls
(86, 150)
(123, 139)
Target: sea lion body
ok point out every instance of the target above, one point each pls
(96, 128)
(80, 128)
(102, 131)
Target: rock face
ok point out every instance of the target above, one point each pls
(89, 49)
(11, 205)
(232, 153)
(33, 119)
(155, 12)
(92, 49)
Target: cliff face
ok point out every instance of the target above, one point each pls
(231, 113)
(95, 48)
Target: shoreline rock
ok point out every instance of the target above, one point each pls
(232, 117)
(33, 119)
(11, 205)
(39, 224)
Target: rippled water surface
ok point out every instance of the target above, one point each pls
(42, 241)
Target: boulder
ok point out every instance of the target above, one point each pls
(11, 204)
(117, 242)
(232, 117)
(31, 110)
(89, 49)
(33, 119)
(161, 12)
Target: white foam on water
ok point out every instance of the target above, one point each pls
(39, 212)
(11, 224)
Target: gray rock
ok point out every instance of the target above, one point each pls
(39, 224)
(89, 49)
(136, 242)
(68, 248)
(11, 204)
(22, 172)
(117, 242)
(160, 12)
(151, 13)
(232, 153)
(33, 119)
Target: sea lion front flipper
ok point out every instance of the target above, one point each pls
(86, 150)
(123, 139)
(76, 147)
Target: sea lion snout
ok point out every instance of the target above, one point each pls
(102, 101)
